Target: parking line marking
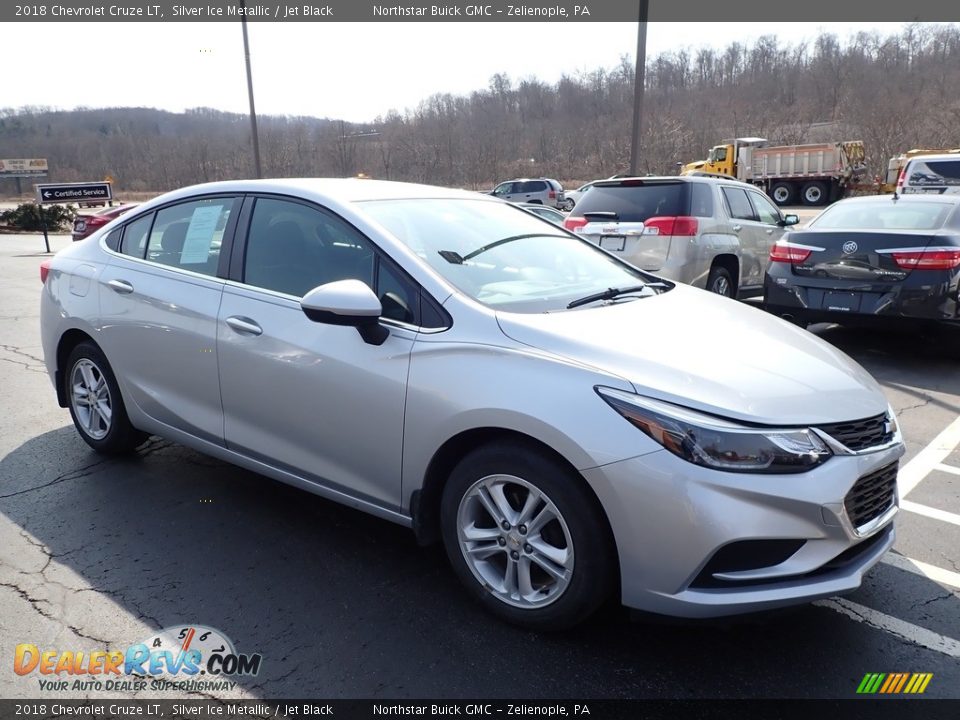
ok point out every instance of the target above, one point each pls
(931, 572)
(935, 513)
(927, 459)
(895, 626)
(947, 468)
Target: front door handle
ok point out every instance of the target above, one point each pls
(120, 286)
(770, 231)
(737, 228)
(244, 326)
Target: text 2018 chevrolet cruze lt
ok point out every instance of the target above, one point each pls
(568, 425)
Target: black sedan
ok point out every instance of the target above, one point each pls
(870, 257)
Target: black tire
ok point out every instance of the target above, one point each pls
(593, 566)
(118, 435)
(783, 193)
(721, 282)
(814, 193)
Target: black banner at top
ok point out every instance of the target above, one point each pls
(719, 11)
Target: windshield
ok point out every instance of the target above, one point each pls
(885, 214)
(500, 255)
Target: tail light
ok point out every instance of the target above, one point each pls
(552, 195)
(781, 252)
(901, 178)
(928, 259)
(44, 270)
(681, 225)
(572, 223)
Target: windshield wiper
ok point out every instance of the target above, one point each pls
(505, 240)
(611, 293)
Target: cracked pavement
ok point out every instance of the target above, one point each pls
(97, 554)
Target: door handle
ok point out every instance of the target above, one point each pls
(770, 231)
(737, 228)
(120, 286)
(244, 326)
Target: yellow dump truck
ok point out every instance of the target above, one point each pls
(812, 174)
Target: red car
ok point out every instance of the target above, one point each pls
(84, 225)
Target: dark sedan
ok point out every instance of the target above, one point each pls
(870, 257)
(86, 224)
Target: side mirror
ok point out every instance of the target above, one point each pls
(347, 302)
(789, 220)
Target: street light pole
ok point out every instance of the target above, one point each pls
(253, 109)
(639, 76)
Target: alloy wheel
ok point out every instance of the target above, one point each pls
(90, 396)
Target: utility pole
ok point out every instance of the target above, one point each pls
(639, 76)
(253, 109)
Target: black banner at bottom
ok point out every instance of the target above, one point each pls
(202, 709)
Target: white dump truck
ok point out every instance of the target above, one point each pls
(813, 174)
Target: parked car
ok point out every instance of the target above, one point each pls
(710, 232)
(870, 257)
(931, 175)
(547, 213)
(86, 224)
(455, 365)
(539, 191)
(572, 197)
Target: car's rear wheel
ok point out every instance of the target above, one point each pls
(720, 282)
(524, 534)
(96, 406)
(569, 204)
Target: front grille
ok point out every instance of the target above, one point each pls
(871, 496)
(861, 434)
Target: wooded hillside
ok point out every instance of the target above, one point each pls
(893, 92)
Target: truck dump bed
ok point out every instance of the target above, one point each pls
(842, 161)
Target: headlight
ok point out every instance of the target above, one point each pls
(716, 443)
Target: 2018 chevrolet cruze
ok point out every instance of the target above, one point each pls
(569, 426)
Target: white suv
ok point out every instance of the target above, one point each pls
(938, 174)
(539, 191)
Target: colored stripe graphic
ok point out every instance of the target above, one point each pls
(894, 683)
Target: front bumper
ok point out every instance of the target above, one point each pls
(670, 519)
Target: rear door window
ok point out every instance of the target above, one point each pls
(934, 172)
(637, 203)
(189, 235)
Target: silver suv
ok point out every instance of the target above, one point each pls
(711, 232)
(539, 191)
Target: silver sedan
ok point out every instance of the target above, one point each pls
(567, 425)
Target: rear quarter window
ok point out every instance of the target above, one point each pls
(637, 203)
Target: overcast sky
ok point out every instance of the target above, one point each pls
(352, 71)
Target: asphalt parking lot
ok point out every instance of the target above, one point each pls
(98, 553)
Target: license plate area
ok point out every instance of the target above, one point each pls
(617, 243)
(842, 301)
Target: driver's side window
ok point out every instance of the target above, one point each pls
(292, 248)
(766, 211)
(504, 189)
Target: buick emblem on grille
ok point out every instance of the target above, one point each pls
(850, 247)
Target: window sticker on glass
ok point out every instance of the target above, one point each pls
(203, 224)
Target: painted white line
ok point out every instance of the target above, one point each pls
(932, 455)
(932, 572)
(947, 468)
(930, 512)
(895, 626)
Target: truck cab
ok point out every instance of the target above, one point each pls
(723, 159)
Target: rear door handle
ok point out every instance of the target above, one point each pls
(120, 286)
(737, 228)
(244, 326)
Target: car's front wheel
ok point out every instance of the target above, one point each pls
(96, 406)
(526, 536)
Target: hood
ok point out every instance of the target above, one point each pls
(697, 349)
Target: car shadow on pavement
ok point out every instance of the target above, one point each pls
(342, 604)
